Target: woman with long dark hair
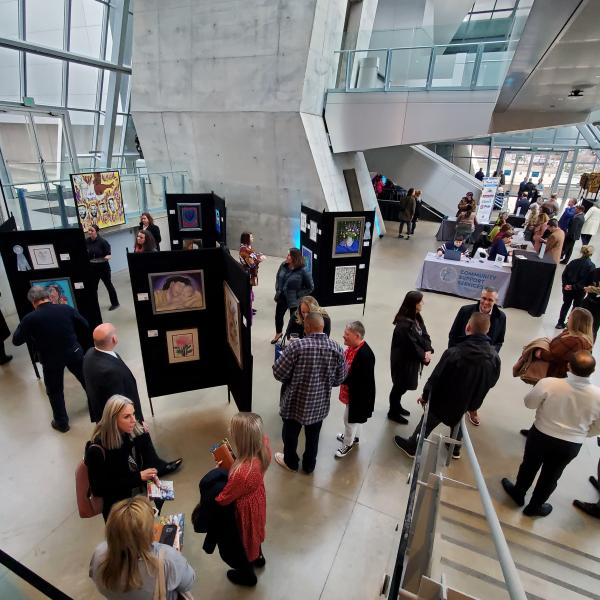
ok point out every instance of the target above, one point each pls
(147, 224)
(411, 350)
(293, 282)
(144, 242)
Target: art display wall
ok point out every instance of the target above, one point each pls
(196, 221)
(193, 316)
(98, 199)
(336, 247)
(53, 258)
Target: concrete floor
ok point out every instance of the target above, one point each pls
(329, 535)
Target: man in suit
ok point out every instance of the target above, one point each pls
(106, 374)
(487, 306)
(573, 233)
(358, 390)
(555, 241)
(52, 331)
(459, 383)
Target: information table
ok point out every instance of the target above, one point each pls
(531, 282)
(465, 278)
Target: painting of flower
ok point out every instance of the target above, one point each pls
(182, 345)
(348, 236)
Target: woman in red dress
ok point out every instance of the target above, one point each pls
(246, 488)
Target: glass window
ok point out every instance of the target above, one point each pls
(481, 151)
(10, 84)
(9, 18)
(44, 22)
(586, 156)
(82, 126)
(87, 17)
(483, 5)
(44, 79)
(83, 84)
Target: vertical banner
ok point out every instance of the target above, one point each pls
(486, 202)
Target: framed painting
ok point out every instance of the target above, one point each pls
(43, 256)
(348, 236)
(308, 259)
(182, 345)
(233, 323)
(98, 199)
(61, 290)
(191, 244)
(177, 291)
(303, 222)
(218, 220)
(190, 217)
(344, 279)
(313, 230)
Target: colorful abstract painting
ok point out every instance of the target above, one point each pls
(190, 217)
(98, 199)
(61, 290)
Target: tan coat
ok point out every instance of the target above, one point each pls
(554, 244)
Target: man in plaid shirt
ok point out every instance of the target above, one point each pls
(308, 369)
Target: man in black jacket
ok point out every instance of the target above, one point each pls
(574, 280)
(52, 331)
(106, 374)
(573, 233)
(459, 383)
(487, 305)
(358, 390)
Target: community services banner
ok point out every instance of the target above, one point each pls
(486, 202)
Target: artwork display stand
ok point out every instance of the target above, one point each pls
(337, 250)
(196, 220)
(193, 315)
(51, 256)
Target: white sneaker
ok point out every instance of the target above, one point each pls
(278, 456)
(340, 438)
(343, 451)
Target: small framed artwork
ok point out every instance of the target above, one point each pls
(61, 290)
(308, 258)
(190, 217)
(344, 279)
(191, 244)
(218, 220)
(303, 222)
(177, 291)
(348, 236)
(233, 323)
(182, 345)
(314, 229)
(43, 256)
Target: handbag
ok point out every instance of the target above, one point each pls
(160, 586)
(87, 504)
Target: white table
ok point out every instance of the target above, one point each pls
(465, 278)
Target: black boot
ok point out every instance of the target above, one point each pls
(245, 577)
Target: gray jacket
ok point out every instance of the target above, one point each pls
(293, 284)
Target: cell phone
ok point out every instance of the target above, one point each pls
(168, 534)
(223, 453)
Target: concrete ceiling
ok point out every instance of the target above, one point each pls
(540, 79)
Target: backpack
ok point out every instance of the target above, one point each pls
(88, 504)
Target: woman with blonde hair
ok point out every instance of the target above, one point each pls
(120, 456)
(307, 305)
(577, 336)
(539, 228)
(246, 487)
(129, 565)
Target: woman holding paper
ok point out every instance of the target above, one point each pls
(120, 456)
(129, 565)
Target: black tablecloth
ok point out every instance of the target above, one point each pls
(516, 221)
(530, 283)
(447, 230)
(390, 209)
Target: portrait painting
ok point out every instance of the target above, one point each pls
(190, 217)
(344, 279)
(191, 244)
(233, 323)
(182, 345)
(43, 256)
(177, 291)
(218, 220)
(61, 290)
(308, 259)
(98, 199)
(348, 236)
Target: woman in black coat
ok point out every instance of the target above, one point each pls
(120, 456)
(574, 280)
(411, 349)
(292, 282)
(147, 223)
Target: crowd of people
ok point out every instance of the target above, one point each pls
(120, 456)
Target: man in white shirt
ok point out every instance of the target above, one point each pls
(567, 411)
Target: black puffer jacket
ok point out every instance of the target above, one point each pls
(576, 273)
(463, 377)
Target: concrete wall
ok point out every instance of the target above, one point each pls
(442, 183)
(233, 92)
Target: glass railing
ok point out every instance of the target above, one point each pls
(464, 66)
(50, 204)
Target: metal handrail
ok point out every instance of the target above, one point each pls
(425, 47)
(511, 576)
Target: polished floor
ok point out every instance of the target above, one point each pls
(329, 535)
